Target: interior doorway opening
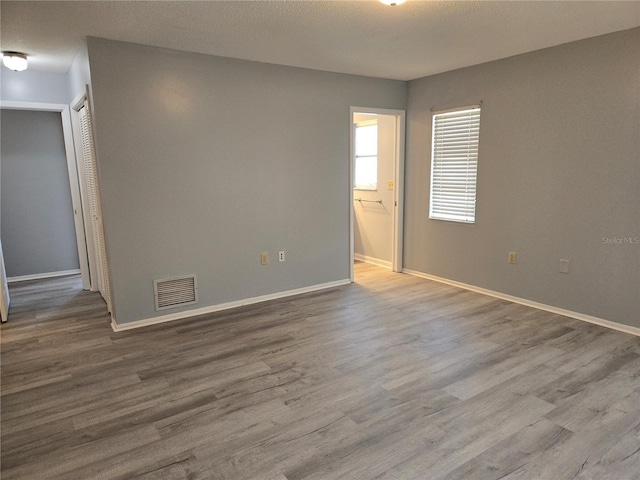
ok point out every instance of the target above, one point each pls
(69, 151)
(377, 187)
(85, 197)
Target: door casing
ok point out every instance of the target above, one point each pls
(98, 265)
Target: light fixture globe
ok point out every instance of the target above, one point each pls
(392, 3)
(15, 61)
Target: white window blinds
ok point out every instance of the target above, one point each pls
(454, 165)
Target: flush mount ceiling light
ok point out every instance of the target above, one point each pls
(15, 61)
(392, 3)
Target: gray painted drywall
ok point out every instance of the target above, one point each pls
(38, 235)
(205, 162)
(559, 174)
(34, 86)
(79, 75)
(373, 222)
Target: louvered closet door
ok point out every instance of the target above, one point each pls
(93, 197)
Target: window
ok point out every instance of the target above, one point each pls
(454, 165)
(366, 162)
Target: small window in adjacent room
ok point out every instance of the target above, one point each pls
(454, 165)
(366, 161)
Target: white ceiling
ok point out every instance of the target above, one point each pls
(365, 37)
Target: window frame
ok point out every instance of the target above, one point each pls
(445, 203)
(366, 187)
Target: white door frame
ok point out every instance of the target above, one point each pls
(72, 169)
(97, 255)
(398, 192)
(76, 104)
(4, 290)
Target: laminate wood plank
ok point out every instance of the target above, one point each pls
(583, 355)
(20, 384)
(621, 461)
(513, 451)
(601, 368)
(463, 444)
(391, 378)
(577, 412)
(103, 402)
(61, 462)
(150, 460)
(70, 393)
(498, 373)
(177, 467)
(35, 441)
(374, 449)
(580, 453)
(279, 450)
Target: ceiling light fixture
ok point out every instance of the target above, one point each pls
(392, 3)
(15, 61)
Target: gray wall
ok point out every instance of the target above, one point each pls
(559, 174)
(34, 86)
(205, 162)
(79, 75)
(38, 235)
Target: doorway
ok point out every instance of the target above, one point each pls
(87, 217)
(377, 186)
(71, 167)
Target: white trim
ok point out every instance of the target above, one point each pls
(78, 218)
(398, 218)
(352, 176)
(43, 107)
(79, 99)
(372, 261)
(94, 229)
(398, 194)
(39, 276)
(77, 104)
(377, 111)
(5, 299)
(530, 303)
(223, 306)
(455, 109)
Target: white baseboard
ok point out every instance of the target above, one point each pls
(529, 303)
(222, 306)
(39, 276)
(371, 260)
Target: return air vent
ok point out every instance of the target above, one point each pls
(175, 291)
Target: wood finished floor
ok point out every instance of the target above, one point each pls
(391, 378)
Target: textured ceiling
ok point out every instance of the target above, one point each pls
(408, 41)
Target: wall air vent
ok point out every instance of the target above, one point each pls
(175, 291)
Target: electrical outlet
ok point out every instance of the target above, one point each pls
(281, 256)
(564, 266)
(512, 258)
(264, 258)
